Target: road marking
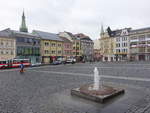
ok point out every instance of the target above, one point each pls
(103, 76)
(104, 67)
(113, 67)
(8, 70)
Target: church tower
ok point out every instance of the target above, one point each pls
(102, 31)
(23, 27)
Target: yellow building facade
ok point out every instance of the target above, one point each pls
(77, 50)
(51, 46)
(51, 50)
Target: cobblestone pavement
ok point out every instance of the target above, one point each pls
(46, 89)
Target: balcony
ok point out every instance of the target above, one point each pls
(134, 40)
(134, 46)
(147, 39)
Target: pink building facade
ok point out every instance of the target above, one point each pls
(67, 48)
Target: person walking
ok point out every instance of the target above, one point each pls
(22, 67)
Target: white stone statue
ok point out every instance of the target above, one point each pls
(96, 79)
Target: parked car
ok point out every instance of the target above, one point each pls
(36, 64)
(56, 62)
(72, 61)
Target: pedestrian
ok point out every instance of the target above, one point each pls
(21, 67)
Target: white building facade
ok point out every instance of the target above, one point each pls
(122, 45)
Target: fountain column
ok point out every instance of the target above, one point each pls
(96, 79)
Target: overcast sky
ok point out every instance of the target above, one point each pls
(85, 16)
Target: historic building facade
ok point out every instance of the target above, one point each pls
(67, 48)
(7, 46)
(76, 44)
(87, 47)
(51, 46)
(107, 45)
(140, 44)
(125, 44)
(121, 38)
(97, 51)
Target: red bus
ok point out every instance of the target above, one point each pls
(14, 63)
(3, 64)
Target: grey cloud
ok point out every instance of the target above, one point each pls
(75, 15)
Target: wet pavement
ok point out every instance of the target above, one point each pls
(46, 89)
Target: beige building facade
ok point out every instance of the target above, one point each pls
(107, 46)
(7, 46)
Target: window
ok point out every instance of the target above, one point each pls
(46, 51)
(53, 52)
(77, 48)
(118, 39)
(118, 45)
(21, 39)
(7, 52)
(2, 43)
(59, 52)
(148, 35)
(124, 38)
(2, 52)
(124, 50)
(30, 40)
(124, 44)
(35, 42)
(12, 53)
(148, 49)
(118, 50)
(133, 43)
(142, 38)
(46, 44)
(59, 45)
(68, 46)
(142, 49)
(12, 43)
(6, 43)
(134, 50)
(133, 38)
(77, 43)
(38, 51)
(53, 44)
(141, 43)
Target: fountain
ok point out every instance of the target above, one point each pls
(97, 91)
(96, 79)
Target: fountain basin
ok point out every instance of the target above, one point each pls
(102, 95)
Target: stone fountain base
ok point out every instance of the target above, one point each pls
(101, 95)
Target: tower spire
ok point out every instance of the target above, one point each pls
(102, 29)
(23, 27)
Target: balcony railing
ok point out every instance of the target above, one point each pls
(135, 40)
(140, 40)
(141, 45)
